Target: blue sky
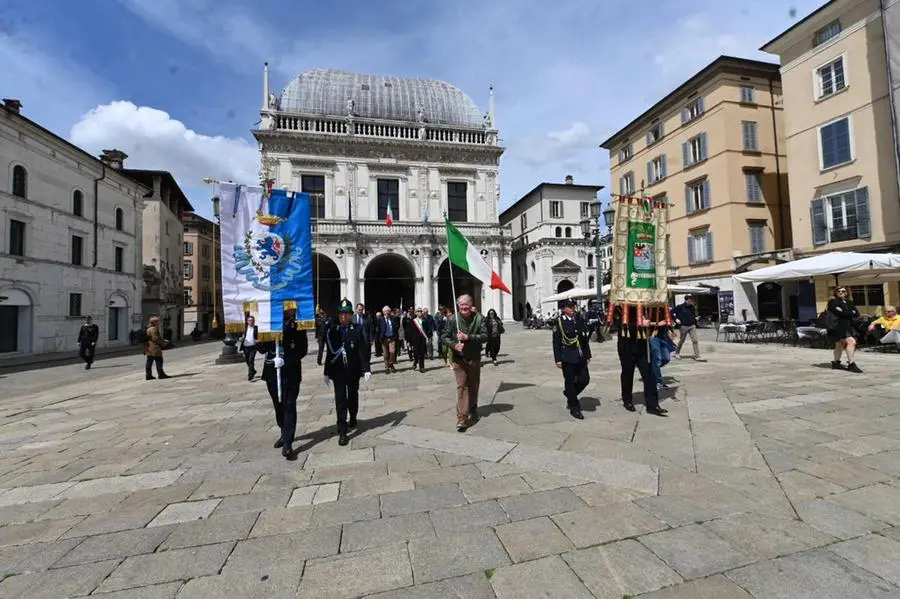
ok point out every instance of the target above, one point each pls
(176, 84)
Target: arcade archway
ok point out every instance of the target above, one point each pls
(390, 281)
(326, 282)
(462, 281)
(564, 286)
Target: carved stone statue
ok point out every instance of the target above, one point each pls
(273, 102)
(351, 106)
(420, 114)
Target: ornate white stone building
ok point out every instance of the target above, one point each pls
(363, 144)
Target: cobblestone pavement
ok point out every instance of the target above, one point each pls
(774, 476)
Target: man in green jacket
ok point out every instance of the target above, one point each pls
(462, 339)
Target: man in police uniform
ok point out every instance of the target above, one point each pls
(572, 354)
(294, 346)
(346, 360)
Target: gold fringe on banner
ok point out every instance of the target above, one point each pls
(251, 307)
(306, 325)
(270, 336)
(235, 327)
(289, 305)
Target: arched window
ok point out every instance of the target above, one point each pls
(77, 203)
(120, 219)
(591, 281)
(568, 231)
(20, 181)
(590, 260)
(559, 231)
(533, 267)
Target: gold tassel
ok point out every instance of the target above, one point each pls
(235, 327)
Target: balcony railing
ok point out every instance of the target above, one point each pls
(381, 129)
(843, 234)
(379, 229)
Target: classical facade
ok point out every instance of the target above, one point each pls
(201, 267)
(364, 146)
(550, 254)
(70, 228)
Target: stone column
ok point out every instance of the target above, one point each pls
(352, 274)
(506, 300)
(427, 279)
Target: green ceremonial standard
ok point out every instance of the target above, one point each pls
(464, 255)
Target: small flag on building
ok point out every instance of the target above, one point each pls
(388, 217)
(464, 255)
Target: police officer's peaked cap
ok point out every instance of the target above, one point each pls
(345, 306)
(566, 303)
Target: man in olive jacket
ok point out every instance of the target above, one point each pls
(462, 338)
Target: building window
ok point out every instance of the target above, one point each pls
(120, 219)
(656, 169)
(556, 209)
(167, 227)
(753, 183)
(748, 133)
(830, 78)
(696, 196)
(16, 238)
(188, 270)
(625, 153)
(585, 209)
(591, 281)
(626, 184)
(188, 248)
(700, 248)
(590, 260)
(119, 259)
(205, 271)
(655, 133)
(77, 203)
(867, 295)
(692, 110)
(74, 304)
(187, 296)
(841, 217)
(20, 181)
(829, 32)
(748, 95)
(523, 222)
(694, 150)
(314, 185)
(204, 250)
(77, 249)
(388, 194)
(757, 236)
(568, 232)
(836, 147)
(558, 232)
(457, 201)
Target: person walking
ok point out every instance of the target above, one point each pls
(430, 326)
(153, 349)
(572, 354)
(388, 331)
(248, 346)
(661, 347)
(294, 347)
(686, 319)
(841, 330)
(322, 322)
(362, 320)
(463, 337)
(634, 352)
(416, 339)
(346, 362)
(87, 341)
(494, 331)
(379, 351)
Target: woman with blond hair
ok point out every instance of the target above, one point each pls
(841, 313)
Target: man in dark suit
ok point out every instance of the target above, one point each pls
(87, 341)
(322, 322)
(416, 339)
(572, 354)
(362, 320)
(346, 361)
(430, 326)
(294, 347)
(249, 342)
(388, 333)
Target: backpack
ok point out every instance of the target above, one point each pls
(142, 336)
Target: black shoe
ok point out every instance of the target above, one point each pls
(288, 452)
(629, 406)
(87, 366)
(836, 365)
(852, 367)
(150, 377)
(657, 411)
(163, 376)
(473, 418)
(352, 422)
(576, 413)
(343, 439)
(278, 443)
(461, 428)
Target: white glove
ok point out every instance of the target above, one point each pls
(278, 362)
(327, 382)
(367, 376)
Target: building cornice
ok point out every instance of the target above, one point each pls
(829, 45)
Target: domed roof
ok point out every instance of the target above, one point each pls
(327, 92)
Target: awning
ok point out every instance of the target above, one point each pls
(847, 265)
(583, 293)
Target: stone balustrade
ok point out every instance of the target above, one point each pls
(379, 229)
(381, 129)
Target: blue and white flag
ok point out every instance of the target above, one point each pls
(266, 258)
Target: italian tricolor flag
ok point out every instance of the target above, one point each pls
(464, 255)
(388, 217)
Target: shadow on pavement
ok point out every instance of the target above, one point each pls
(323, 434)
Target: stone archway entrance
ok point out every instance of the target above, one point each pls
(462, 281)
(15, 321)
(564, 286)
(390, 281)
(326, 282)
(117, 319)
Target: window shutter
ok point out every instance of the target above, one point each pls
(863, 222)
(707, 200)
(662, 167)
(662, 129)
(709, 246)
(691, 257)
(688, 202)
(700, 107)
(703, 146)
(622, 185)
(649, 138)
(819, 222)
(650, 172)
(753, 136)
(685, 115)
(686, 153)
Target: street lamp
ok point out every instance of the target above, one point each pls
(594, 229)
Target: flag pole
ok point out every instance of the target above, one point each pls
(450, 269)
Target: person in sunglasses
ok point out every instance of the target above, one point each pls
(841, 329)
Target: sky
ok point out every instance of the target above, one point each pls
(177, 84)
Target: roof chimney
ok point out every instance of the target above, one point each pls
(12, 105)
(114, 158)
(570, 180)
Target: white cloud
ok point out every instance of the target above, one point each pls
(561, 146)
(154, 140)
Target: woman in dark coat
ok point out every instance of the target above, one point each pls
(494, 329)
(841, 329)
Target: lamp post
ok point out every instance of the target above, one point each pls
(229, 348)
(594, 230)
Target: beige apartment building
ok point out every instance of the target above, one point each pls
(841, 141)
(202, 267)
(714, 148)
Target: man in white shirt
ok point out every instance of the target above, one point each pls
(248, 346)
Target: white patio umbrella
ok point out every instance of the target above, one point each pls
(840, 264)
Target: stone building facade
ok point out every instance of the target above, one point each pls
(201, 266)
(363, 145)
(71, 233)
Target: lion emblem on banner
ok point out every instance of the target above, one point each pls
(264, 254)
